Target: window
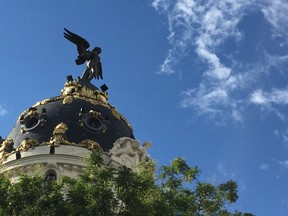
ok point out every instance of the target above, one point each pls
(32, 123)
(93, 121)
(50, 175)
(32, 119)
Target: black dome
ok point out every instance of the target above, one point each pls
(83, 109)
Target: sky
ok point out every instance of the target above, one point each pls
(203, 80)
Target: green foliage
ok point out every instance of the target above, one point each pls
(31, 196)
(103, 191)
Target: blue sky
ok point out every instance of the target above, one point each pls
(205, 80)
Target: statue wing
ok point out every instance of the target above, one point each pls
(81, 43)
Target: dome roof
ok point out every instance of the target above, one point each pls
(80, 113)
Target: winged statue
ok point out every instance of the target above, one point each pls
(93, 65)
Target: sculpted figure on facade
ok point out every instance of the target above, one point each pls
(129, 151)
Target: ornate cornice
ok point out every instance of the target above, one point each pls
(58, 138)
(26, 144)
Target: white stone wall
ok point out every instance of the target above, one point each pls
(70, 160)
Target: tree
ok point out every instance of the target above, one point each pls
(105, 191)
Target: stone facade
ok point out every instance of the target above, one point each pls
(68, 160)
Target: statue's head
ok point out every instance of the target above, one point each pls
(97, 49)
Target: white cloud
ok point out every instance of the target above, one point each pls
(276, 133)
(237, 116)
(282, 136)
(204, 99)
(202, 28)
(217, 100)
(284, 163)
(157, 4)
(275, 96)
(276, 13)
(226, 173)
(222, 172)
(279, 96)
(258, 97)
(217, 69)
(264, 166)
(167, 65)
(2, 111)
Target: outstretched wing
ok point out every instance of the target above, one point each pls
(81, 43)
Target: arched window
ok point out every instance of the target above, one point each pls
(50, 175)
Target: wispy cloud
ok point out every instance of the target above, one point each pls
(2, 111)
(276, 96)
(284, 163)
(264, 166)
(282, 135)
(202, 26)
(285, 138)
(226, 85)
(271, 100)
(276, 13)
(224, 171)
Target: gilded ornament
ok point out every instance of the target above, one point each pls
(59, 135)
(60, 129)
(89, 144)
(32, 112)
(68, 99)
(26, 144)
(31, 119)
(7, 145)
(59, 138)
(6, 149)
(94, 113)
(83, 92)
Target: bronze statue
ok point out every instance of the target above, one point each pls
(93, 66)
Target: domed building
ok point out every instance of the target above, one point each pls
(54, 137)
